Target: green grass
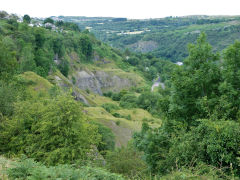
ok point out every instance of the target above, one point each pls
(122, 127)
(138, 114)
(37, 84)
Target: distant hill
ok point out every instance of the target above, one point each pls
(164, 37)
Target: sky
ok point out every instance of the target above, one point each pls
(133, 9)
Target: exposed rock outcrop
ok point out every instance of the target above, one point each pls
(144, 46)
(100, 81)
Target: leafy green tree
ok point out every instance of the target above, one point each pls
(26, 19)
(107, 142)
(155, 144)
(48, 20)
(8, 95)
(229, 103)
(126, 161)
(133, 61)
(64, 67)
(3, 14)
(213, 142)
(8, 62)
(27, 62)
(128, 101)
(52, 131)
(198, 78)
(149, 101)
(40, 38)
(86, 46)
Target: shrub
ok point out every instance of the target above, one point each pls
(108, 94)
(29, 169)
(118, 122)
(73, 80)
(118, 96)
(117, 115)
(148, 101)
(87, 91)
(215, 143)
(126, 161)
(109, 107)
(52, 131)
(107, 138)
(128, 101)
(64, 67)
(129, 117)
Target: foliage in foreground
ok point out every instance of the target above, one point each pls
(213, 143)
(126, 161)
(26, 169)
(201, 113)
(52, 131)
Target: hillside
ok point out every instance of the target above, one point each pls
(73, 107)
(166, 37)
(74, 61)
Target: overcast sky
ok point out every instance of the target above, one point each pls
(136, 9)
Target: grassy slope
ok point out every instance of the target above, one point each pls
(115, 66)
(121, 127)
(4, 164)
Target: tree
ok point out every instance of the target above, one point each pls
(155, 144)
(8, 62)
(48, 20)
(126, 161)
(26, 19)
(86, 46)
(198, 79)
(27, 62)
(107, 142)
(3, 14)
(229, 103)
(214, 143)
(52, 131)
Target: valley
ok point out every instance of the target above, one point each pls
(117, 98)
(166, 38)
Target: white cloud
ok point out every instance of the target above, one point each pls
(121, 8)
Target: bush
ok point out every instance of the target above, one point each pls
(126, 161)
(118, 122)
(108, 94)
(155, 144)
(212, 143)
(29, 169)
(202, 171)
(107, 142)
(64, 67)
(118, 96)
(109, 107)
(148, 101)
(52, 131)
(128, 101)
(117, 115)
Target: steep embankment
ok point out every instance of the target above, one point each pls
(122, 128)
(87, 83)
(64, 59)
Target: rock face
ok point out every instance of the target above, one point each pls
(87, 80)
(65, 83)
(144, 46)
(100, 81)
